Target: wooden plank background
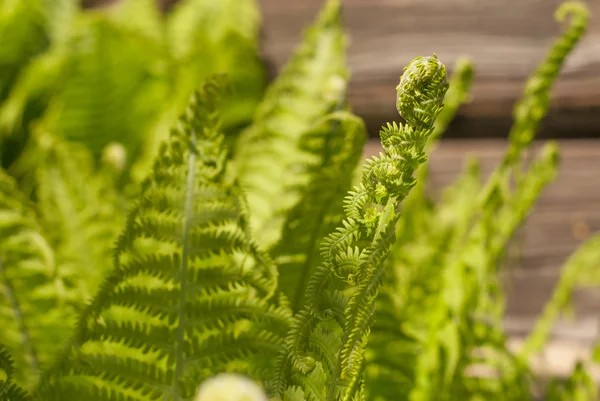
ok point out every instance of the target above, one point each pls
(505, 39)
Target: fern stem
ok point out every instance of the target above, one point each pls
(189, 199)
(18, 314)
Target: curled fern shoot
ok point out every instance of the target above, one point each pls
(466, 234)
(190, 294)
(341, 293)
(533, 106)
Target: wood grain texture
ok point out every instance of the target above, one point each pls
(506, 39)
(567, 213)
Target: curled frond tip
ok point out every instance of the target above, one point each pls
(420, 93)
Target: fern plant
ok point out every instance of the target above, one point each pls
(123, 74)
(268, 260)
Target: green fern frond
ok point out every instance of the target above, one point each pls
(587, 256)
(34, 314)
(190, 293)
(579, 386)
(38, 31)
(480, 224)
(533, 106)
(418, 202)
(231, 41)
(78, 207)
(201, 38)
(15, 393)
(341, 293)
(109, 69)
(29, 95)
(271, 158)
(435, 318)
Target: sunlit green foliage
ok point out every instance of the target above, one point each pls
(163, 223)
(123, 73)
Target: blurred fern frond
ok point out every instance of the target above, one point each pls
(270, 156)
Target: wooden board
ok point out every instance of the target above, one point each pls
(567, 213)
(506, 39)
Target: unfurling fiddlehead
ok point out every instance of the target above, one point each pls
(536, 98)
(329, 334)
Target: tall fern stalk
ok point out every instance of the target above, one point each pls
(324, 352)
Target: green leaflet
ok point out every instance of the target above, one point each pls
(79, 213)
(207, 37)
(190, 293)
(270, 156)
(96, 83)
(534, 104)
(78, 206)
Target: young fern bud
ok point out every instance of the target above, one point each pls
(420, 93)
(534, 104)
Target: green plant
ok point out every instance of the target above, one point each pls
(121, 74)
(269, 255)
